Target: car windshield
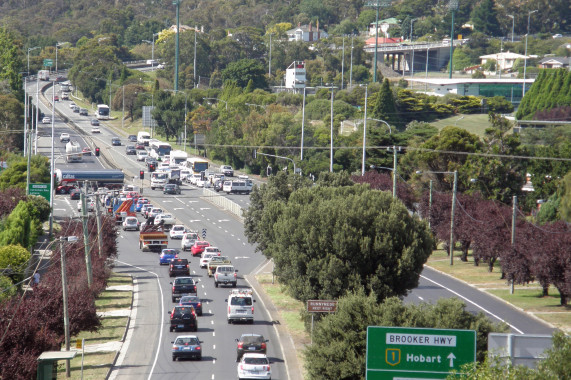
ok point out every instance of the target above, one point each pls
(252, 339)
(131, 221)
(201, 243)
(187, 341)
(256, 361)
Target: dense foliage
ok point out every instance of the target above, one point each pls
(551, 89)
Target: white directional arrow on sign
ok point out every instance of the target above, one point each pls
(451, 357)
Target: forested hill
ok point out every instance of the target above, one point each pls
(41, 22)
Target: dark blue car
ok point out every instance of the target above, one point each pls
(167, 255)
(193, 301)
(140, 205)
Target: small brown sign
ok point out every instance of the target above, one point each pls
(319, 306)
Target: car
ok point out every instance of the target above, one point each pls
(183, 286)
(254, 366)
(115, 141)
(140, 203)
(76, 109)
(56, 98)
(171, 188)
(179, 267)
(188, 240)
(95, 122)
(139, 146)
(86, 151)
(145, 209)
(177, 231)
(215, 262)
(90, 205)
(218, 185)
(164, 219)
(154, 212)
(183, 318)
(227, 170)
(225, 275)
(198, 247)
(186, 347)
(250, 343)
(132, 138)
(46, 120)
(167, 255)
(64, 137)
(205, 259)
(215, 250)
(130, 149)
(193, 178)
(141, 154)
(131, 223)
(557, 35)
(193, 301)
(83, 112)
(74, 194)
(95, 130)
(240, 306)
(72, 104)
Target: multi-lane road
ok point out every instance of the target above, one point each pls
(147, 350)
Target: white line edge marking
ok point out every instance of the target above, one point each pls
(473, 303)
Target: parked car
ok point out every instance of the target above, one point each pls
(183, 286)
(115, 141)
(132, 138)
(183, 318)
(64, 137)
(254, 366)
(131, 223)
(130, 149)
(179, 267)
(167, 255)
(198, 247)
(250, 343)
(188, 240)
(186, 347)
(46, 120)
(177, 231)
(141, 155)
(171, 188)
(193, 301)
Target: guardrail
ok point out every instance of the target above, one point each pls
(223, 202)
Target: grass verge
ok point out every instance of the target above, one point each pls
(475, 124)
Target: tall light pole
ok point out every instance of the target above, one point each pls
(364, 132)
(513, 25)
(270, 59)
(177, 3)
(351, 66)
(302, 123)
(331, 149)
(453, 6)
(343, 62)
(194, 63)
(412, 60)
(52, 164)
(58, 45)
(29, 50)
(525, 54)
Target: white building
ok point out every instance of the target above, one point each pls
(306, 33)
(295, 77)
(504, 60)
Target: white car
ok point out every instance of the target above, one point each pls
(184, 174)
(205, 258)
(90, 206)
(154, 212)
(215, 250)
(188, 240)
(64, 137)
(203, 182)
(142, 155)
(46, 120)
(177, 231)
(72, 104)
(193, 178)
(254, 366)
(166, 219)
(95, 130)
(131, 223)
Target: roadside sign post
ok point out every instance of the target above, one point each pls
(48, 62)
(204, 233)
(320, 306)
(40, 189)
(417, 353)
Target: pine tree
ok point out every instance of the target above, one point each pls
(385, 108)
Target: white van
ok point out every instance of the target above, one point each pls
(238, 187)
(143, 138)
(240, 306)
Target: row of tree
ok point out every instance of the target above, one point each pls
(550, 92)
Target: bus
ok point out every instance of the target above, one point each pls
(159, 149)
(178, 157)
(197, 165)
(102, 112)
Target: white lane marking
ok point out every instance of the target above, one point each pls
(211, 322)
(167, 201)
(420, 298)
(213, 346)
(223, 220)
(209, 311)
(213, 332)
(242, 257)
(60, 209)
(473, 303)
(194, 220)
(204, 208)
(213, 362)
(178, 208)
(192, 201)
(180, 200)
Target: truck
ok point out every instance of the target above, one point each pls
(215, 262)
(73, 152)
(152, 239)
(178, 157)
(225, 275)
(143, 138)
(159, 179)
(174, 176)
(64, 96)
(69, 179)
(123, 210)
(44, 75)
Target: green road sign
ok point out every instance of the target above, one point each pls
(41, 189)
(416, 353)
(48, 62)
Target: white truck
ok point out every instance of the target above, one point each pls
(178, 157)
(238, 187)
(174, 176)
(159, 180)
(73, 152)
(143, 138)
(44, 75)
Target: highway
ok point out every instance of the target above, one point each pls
(148, 348)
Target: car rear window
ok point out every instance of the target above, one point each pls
(187, 341)
(241, 301)
(256, 361)
(184, 281)
(252, 339)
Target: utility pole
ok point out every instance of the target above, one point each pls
(514, 209)
(331, 150)
(364, 132)
(177, 3)
(343, 63)
(270, 62)
(86, 235)
(65, 311)
(98, 217)
(123, 112)
(194, 64)
(452, 217)
(394, 171)
(429, 203)
(351, 66)
(302, 122)
(52, 166)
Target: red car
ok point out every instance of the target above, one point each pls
(139, 146)
(198, 247)
(86, 151)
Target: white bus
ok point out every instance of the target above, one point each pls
(102, 112)
(178, 157)
(159, 149)
(197, 165)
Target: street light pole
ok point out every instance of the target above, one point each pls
(58, 45)
(177, 3)
(513, 25)
(351, 66)
(270, 60)
(331, 150)
(452, 217)
(364, 132)
(525, 54)
(343, 63)
(52, 166)
(65, 311)
(302, 123)
(412, 60)
(453, 6)
(29, 50)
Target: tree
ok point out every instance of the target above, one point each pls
(384, 107)
(10, 61)
(15, 174)
(13, 261)
(339, 339)
(11, 121)
(169, 113)
(484, 16)
(243, 71)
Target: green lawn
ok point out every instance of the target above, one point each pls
(475, 124)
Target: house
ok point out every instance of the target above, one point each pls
(504, 60)
(555, 62)
(295, 77)
(306, 33)
(383, 26)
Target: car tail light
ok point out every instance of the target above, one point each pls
(228, 309)
(235, 275)
(263, 346)
(173, 288)
(175, 348)
(241, 367)
(199, 305)
(252, 309)
(267, 367)
(198, 348)
(240, 345)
